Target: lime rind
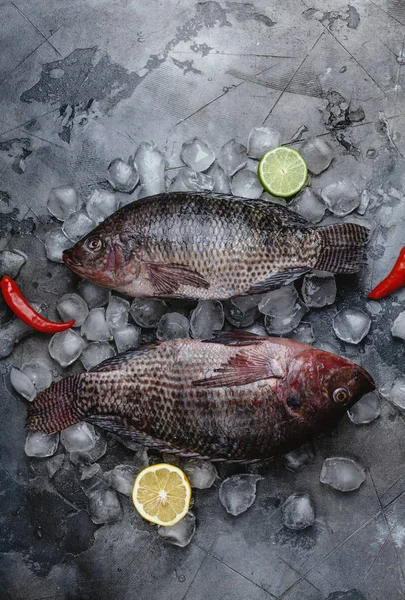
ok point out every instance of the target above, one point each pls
(283, 172)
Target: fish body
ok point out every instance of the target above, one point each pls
(210, 246)
(240, 397)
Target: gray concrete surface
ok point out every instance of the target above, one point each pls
(86, 81)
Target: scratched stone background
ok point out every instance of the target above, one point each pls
(85, 81)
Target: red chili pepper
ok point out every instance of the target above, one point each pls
(393, 281)
(19, 305)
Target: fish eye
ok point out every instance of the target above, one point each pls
(94, 244)
(340, 395)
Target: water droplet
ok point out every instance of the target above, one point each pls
(401, 58)
(182, 578)
(209, 78)
(371, 153)
(225, 90)
(38, 533)
(343, 69)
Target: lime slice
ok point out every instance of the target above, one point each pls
(283, 172)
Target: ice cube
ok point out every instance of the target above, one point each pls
(63, 201)
(122, 478)
(187, 180)
(11, 262)
(95, 353)
(78, 225)
(104, 506)
(279, 302)
(298, 459)
(317, 154)
(95, 328)
(122, 175)
(147, 312)
(79, 437)
(54, 464)
(151, 164)
(351, 325)
(232, 157)
(88, 457)
(246, 303)
(89, 471)
(246, 184)
(398, 326)
(173, 325)
(309, 205)
(13, 332)
(318, 289)
(94, 295)
(55, 243)
(40, 444)
(298, 512)
(22, 384)
(237, 317)
(366, 410)
(117, 313)
(200, 473)
(66, 347)
(258, 329)
(127, 338)
(397, 394)
(269, 198)
(180, 534)
(283, 324)
(341, 197)
(364, 202)
(206, 318)
(303, 333)
(237, 493)
(343, 474)
(101, 205)
(262, 139)
(72, 306)
(220, 179)
(197, 154)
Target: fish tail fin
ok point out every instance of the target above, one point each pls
(56, 407)
(343, 247)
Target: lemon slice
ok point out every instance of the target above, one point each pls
(162, 494)
(282, 172)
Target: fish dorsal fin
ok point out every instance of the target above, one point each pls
(167, 278)
(288, 216)
(243, 368)
(118, 362)
(277, 280)
(236, 338)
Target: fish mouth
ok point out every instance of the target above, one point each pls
(71, 260)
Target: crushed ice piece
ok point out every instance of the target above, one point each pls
(22, 384)
(101, 205)
(89, 471)
(197, 154)
(122, 478)
(79, 437)
(397, 393)
(398, 326)
(95, 328)
(206, 319)
(173, 325)
(127, 338)
(11, 262)
(187, 180)
(343, 474)
(122, 175)
(181, 533)
(104, 505)
(95, 353)
(41, 445)
(88, 457)
(246, 303)
(366, 410)
(318, 289)
(303, 333)
(72, 306)
(151, 165)
(13, 332)
(39, 373)
(237, 317)
(78, 225)
(147, 312)
(200, 473)
(309, 205)
(298, 512)
(246, 184)
(299, 458)
(94, 295)
(351, 325)
(258, 329)
(63, 201)
(222, 184)
(66, 347)
(54, 464)
(55, 244)
(364, 202)
(262, 139)
(117, 313)
(317, 154)
(341, 197)
(232, 157)
(237, 493)
(279, 302)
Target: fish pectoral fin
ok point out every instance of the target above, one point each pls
(236, 338)
(277, 280)
(242, 369)
(167, 278)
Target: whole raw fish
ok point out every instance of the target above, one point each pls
(239, 397)
(210, 246)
